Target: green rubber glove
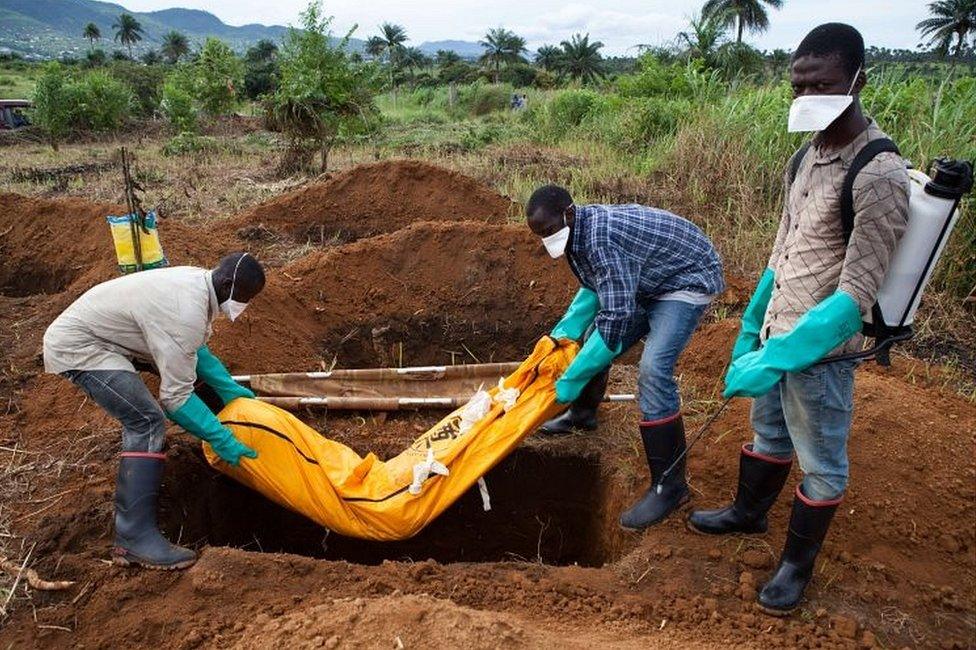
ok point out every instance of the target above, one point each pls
(820, 330)
(578, 317)
(196, 418)
(215, 374)
(753, 316)
(592, 358)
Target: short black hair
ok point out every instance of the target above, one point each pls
(553, 199)
(243, 271)
(834, 39)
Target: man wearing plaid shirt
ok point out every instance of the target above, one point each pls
(646, 273)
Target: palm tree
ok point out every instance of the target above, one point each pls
(375, 46)
(444, 58)
(741, 13)
(152, 57)
(262, 51)
(581, 59)
(390, 43)
(175, 46)
(502, 46)
(127, 31)
(704, 37)
(92, 33)
(950, 18)
(547, 57)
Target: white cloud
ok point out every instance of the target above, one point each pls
(619, 25)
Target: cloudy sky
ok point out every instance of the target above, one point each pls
(619, 24)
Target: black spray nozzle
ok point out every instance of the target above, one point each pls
(952, 178)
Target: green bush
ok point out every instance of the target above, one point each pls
(190, 143)
(52, 109)
(177, 101)
(520, 75)
(655, 79)
(101, 102)
(480, 98)
(218, 73)
(146, 83)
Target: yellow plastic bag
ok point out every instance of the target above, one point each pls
(368, 498)
(124, 230)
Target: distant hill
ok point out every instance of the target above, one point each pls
(465, 49)
(49, 28)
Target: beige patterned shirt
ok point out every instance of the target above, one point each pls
(809, 259)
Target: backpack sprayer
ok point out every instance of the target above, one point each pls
(933, 210)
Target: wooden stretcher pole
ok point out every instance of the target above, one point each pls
(388, 403)
(375, 374)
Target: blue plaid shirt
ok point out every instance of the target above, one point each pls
(631, 254)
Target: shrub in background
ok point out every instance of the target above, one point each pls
(177, 101)
(218, 74)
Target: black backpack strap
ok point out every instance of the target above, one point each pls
(863, 157)
(797, 159)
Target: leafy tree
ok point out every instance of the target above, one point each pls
(145, 82)
(119, 55)
(502, 46)
(175, 46)
(177, 100)
(92, 33)
(951, 19)
(743, 14)
(99, 102)
(321, 92)
(128, 31)
(52, 110)
(444, 58)
(262, 51)
(218, 74)
(547, 57)
(260, 69)
(519, 75)
(459, 73)
(152, 57)
(581, 59)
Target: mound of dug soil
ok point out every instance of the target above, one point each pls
(482, 292)
(377, 198)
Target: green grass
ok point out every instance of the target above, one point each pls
(17, 80)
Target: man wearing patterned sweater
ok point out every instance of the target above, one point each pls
(822, 279)
(646, 273)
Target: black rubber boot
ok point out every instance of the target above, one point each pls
(581, 414)
(137, 539)
(761, 479)
(663, 441)
(809, 522)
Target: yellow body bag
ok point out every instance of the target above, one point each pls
(299, 468)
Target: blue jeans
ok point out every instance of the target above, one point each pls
(667, 326)
(810, 412)
(123, 396)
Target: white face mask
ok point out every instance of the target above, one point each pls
(817, 112)
(233, 308)
(556, 242)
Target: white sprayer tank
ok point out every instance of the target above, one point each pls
(931, 217)
(933, 209)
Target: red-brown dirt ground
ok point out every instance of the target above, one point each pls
(431, 272)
